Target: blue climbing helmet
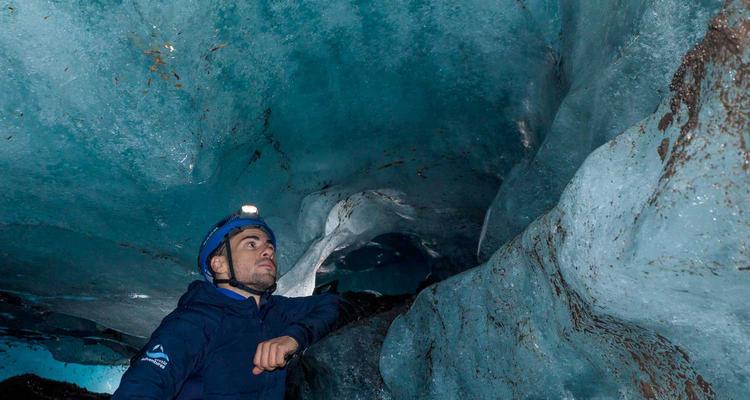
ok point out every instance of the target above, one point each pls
(246, 217)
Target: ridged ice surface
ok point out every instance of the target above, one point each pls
(130, 127)
(634, 286)
(617, 59)
(341, 121)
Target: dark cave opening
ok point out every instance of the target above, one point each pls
(389, 264)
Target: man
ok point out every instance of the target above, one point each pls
(229, 338)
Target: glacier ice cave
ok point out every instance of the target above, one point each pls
(519, 199)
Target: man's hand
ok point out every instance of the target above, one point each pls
(272, 354)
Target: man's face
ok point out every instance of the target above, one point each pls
(253, 258)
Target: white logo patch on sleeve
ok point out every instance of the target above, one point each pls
(157, 356)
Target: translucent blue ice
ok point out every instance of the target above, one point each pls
(617, 59)
(634, 285)
(18, 358)
(128, 127)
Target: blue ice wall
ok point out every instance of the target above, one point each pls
(634, 285)
(617, 59)
(129, 127)
(18, 358)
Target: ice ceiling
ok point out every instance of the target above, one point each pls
(129, 127)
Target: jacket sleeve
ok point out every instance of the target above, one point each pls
(166, 361)
(310, 318)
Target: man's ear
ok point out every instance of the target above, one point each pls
(219, 265)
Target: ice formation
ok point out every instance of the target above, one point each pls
(361, 216)
(617, 60)
(18, 356)
(150, 121)
(634, 285)
(130, 127)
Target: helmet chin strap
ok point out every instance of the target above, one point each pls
(232, 281)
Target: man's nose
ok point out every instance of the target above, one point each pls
(268, 251)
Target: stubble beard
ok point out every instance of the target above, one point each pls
(262, 280)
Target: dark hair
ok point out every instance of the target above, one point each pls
(220, 251)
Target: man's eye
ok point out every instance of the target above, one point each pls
(252, 245)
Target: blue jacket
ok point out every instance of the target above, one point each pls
(204, 349)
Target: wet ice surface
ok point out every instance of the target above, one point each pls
(634, 285)
(617, 62)
(18, 357)
(151, 121)
(344, 122)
